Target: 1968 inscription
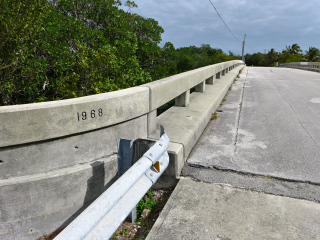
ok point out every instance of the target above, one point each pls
(87, 115)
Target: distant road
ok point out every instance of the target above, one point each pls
(269, 125)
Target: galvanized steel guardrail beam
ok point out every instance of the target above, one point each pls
(102, 218)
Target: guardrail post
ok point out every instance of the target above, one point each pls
(129, 152)
(125, 161)
(227, 70)
(223, 72)
(211, 80)
(201, 87)
(183, 99)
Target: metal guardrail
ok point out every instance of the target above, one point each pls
(102, 218)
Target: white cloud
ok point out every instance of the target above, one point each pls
(268, 24)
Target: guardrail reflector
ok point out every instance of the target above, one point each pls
(157, 166)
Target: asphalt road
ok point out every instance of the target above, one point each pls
(269, 125)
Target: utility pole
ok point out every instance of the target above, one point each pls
(243, 43)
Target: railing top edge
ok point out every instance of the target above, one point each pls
(184, 74)
(73, 101)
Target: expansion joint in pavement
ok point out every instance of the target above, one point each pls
(273, 185)
(252, 174)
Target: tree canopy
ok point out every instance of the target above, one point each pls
(291, 53)
(62, 49)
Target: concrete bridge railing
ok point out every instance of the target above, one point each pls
(310, 66)
(57, 157)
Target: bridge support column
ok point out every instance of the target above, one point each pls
(183, 99)
(218, 75)
(211, 80)
(152, 122)
(201, 87)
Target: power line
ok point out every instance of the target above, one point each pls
(228, 27)
(224, 22)
(250, 47)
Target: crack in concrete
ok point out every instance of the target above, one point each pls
(252, 174)
(267, 178)
(238, 117)
(253, 189)
(314, 141)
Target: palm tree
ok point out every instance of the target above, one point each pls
(271, 57)
(294, 49)
(313, 54)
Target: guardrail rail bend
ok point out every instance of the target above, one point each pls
(102, 218)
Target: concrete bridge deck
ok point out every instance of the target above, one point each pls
(254, 174)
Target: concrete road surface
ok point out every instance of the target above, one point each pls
(204, 211)
(269, 125)
(255, 172)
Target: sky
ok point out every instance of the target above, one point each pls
(266, 23)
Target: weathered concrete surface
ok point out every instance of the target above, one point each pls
(164, 90)
(185, 124)
(40, 121)
(56, 157)
(269, 126)
(41, 157)
(35, 205)
(264, 141)
(198, 210)
(44, 185)
(293, 189)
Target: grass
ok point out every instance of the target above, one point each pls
(214, 116)
(147, 202)
(154, 200)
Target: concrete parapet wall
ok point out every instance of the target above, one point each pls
(185, 125)
(41, 121)
(309, 66)
(164, 90)
(57, 157)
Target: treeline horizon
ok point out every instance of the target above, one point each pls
(60, 49)
(291, 53)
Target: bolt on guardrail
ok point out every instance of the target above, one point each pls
(102, 218)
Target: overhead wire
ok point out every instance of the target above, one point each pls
(227, 25)
(250, 47)
(224, 22)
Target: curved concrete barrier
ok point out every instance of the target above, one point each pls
(57, 157)
(309, 66)
(41, 121)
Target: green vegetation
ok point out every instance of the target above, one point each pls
(61, 49)
(290, 54)
(147, 202)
